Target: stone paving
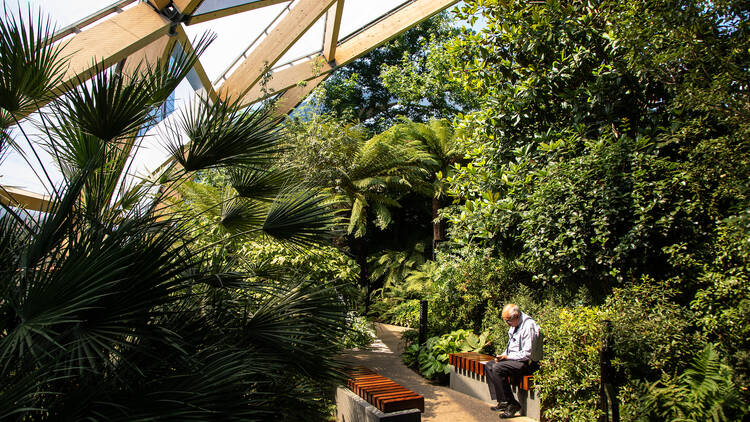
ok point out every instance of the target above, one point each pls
(441, 403)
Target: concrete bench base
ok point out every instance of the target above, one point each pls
(475, 385)
(352, 408)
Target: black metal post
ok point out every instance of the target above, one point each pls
(608, 390)
(422, 321)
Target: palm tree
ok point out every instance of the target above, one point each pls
(111, 308)
(439, 139)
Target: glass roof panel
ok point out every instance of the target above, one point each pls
(234, 34)
(359, 13)
(311, 42)
(214, 5)
(26, 173)
(65, 13)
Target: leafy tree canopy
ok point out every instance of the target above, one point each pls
(401, 78)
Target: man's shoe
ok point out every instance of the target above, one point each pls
(501, 406)
(511, 410)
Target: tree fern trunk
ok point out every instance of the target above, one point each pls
(438, 228)
(359, 248)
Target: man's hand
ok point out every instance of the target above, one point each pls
(501, 357)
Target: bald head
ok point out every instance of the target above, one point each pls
(511, 310)
(512, 314)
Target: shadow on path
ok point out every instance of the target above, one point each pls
(441, 403)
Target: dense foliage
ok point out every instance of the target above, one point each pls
(606, 175)
(116, 304)
(431, 358)
(597, 164)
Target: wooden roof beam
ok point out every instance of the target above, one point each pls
(78, 26)
(188, 47)
(293, 96)
(159, 4)
(15, 197)
(333, 24)
(186, 7)
(354, 47)
(388, 28)
(150, 54)
(112, 40)
(299, 19)
(229, 11)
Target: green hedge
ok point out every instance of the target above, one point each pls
(569, 376)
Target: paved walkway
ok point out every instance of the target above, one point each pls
(441, 403)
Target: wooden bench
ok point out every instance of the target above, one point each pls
(474, 362)
(392, 401)
(382, 392)
(469, 377)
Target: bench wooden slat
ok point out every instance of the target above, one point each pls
(382, 392)
(403, 403)
(472, 362)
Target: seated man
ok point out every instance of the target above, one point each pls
(520, 357)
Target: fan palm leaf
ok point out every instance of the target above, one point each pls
(292, 323)
(258, 184)
(30, 65)
(300, 216)
(221, 135)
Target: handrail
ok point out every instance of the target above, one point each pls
(76, 27)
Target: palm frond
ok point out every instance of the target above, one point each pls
(300, 216)
(358, 217)
(221, 135)
(112, 105)
(164, 76)
(109, 106)
(202, 198)
(301, 324)
(258, 184)
(209, 385)
(30, 65)
(240, 214)
(382, 215)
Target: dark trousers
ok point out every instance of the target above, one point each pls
(497, 373)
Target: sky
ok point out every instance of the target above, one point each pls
(234, 35)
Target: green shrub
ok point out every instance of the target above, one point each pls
(723, 310)
(406, 314)
(651, 331)
(396, 311)
(569, 376)
(722, 307)
(360, 333)
(468, 282)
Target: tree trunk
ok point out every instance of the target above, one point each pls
(438, 229)
(359, 247)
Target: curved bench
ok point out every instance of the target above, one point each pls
(382, 399)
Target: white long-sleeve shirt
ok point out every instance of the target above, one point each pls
(524, 342)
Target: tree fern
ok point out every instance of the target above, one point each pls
(704, 392)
